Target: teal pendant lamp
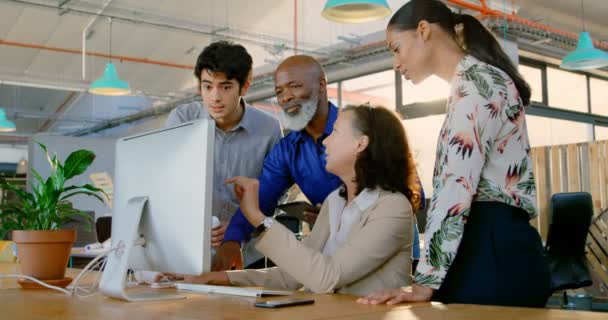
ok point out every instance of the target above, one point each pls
(5, 124)
(585, 56)
(353, 11)
(110, 84)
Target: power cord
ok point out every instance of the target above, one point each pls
(98, 262)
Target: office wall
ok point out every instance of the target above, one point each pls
(12, 154)
(104, 150)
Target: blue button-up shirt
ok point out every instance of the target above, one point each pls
(297, 158)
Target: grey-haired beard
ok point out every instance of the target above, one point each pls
(300, 120)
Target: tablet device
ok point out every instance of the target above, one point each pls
(297, 208)
(284, 303)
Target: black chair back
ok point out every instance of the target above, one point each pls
(104, 228)
(571, 215)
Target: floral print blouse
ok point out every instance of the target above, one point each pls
(483, 154)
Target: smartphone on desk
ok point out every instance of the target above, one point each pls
(283, 303)
(297, 208)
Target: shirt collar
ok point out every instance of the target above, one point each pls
(363, 200)
(332, 115)
(246, 122)
(366, 198)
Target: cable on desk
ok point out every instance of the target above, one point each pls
(98, 262)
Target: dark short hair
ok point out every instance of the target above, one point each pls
(386, 162)
(227, 57)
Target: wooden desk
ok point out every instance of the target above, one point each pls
(44, 304)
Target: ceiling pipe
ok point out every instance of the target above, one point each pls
(488, 12)
(96, 54)
(47, 124)
(241, 36)
(12, 139)
(84, 39)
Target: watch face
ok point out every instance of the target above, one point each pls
(268, 222)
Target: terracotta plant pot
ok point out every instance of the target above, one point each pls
(44, 254)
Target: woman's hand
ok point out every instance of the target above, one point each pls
(247, 191)
(415, 293)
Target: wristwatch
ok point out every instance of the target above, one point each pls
(266, 223)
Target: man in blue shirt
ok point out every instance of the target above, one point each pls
(301, 89)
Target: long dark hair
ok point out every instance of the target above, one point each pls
(386, 162)
(478, 41)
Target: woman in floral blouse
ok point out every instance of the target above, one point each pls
(479, 247)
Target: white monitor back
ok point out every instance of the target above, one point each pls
(173, 168)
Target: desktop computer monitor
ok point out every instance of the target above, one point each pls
(162, 205)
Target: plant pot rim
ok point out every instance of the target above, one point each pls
(36, 236)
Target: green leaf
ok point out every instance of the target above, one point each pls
(37, 176)
(475, 75)
(427, 279)
(77, 163)
(46, 207)
(46, 152)
(527, 186)
(88, 221)
(54, 162)
(23, 195)
(82, 192)
(497, 77)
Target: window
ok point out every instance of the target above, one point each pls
(535, 79)
(545, 131)
(377, 89)
(599, 96)
(601, 133)
(332, 93)
(433, 88)
(567, 90)
(422, 134)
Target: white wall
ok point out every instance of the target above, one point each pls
(104, 150)
(12, 154)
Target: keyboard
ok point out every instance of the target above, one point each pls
(233, 291)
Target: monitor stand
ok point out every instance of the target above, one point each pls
(114, 277)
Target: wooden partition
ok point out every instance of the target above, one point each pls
(572, 168)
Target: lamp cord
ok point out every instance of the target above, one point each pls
(110, 57)
(583, 15)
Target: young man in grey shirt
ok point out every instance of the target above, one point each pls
(243, 134)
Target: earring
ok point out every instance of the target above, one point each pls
(459, 31)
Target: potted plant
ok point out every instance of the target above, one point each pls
(36, 218)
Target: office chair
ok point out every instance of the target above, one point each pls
(104, 228)
(571, 215)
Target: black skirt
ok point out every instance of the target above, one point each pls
(500, 261)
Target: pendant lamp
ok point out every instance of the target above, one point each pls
(110, 84)
(5, 124)
(585, 56)
(353, 11)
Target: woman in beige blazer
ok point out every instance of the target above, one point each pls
(362, 240)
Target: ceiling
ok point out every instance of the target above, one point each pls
(155, 44)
